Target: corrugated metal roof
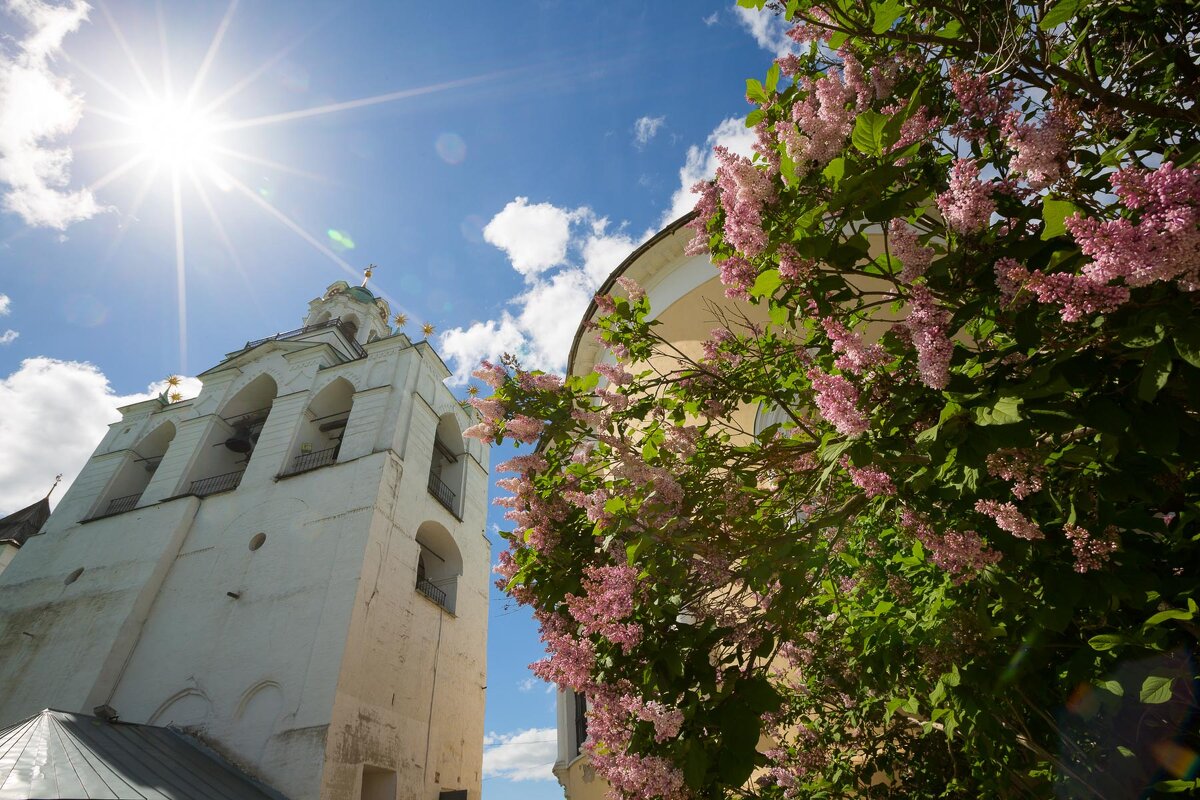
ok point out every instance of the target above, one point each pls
(56, 755)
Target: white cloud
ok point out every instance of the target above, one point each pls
(701, 164)
(535, 236)
(646, 128)
(55, 413)
(768, 28)
(5, 304)
(36, 108)
(711, 19)
(8, 336)
(526, 755)
(543, 319)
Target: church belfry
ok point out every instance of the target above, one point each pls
(291, 566)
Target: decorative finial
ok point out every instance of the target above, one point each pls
(367, 273)
(401, 320)
(57, 480)
(428, 329)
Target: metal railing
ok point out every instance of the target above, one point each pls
(444, 494)
(336, 322)
(306, 461)
(215, 484)
(120, 505)
(432, 592)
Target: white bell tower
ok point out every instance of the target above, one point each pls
(292, 565)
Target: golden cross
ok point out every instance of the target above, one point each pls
(367, 273)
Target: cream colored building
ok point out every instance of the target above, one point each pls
(292, 565)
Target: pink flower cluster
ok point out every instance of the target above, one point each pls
(633, 289)
(666, 720)
(1008, 518)
(1040, 151)
(745, 190)
(539, 382)
(837, 400)
(913, 256)
(738, 275)
(961, 553)
(707, 205)
(491, 374)
(967, 204)
(491, 410)
(523, 429)
(1163, 245)
(533, 462)
(793, 268)
(571, 658)
(1091, 552)
(1077, 295)
(824, 119)
(1020, 467)
(485, 432)
(634, 777)
(614, 374)
(926, 325)
(607, 598)
(874, 482)
(856, 356)
(1009, 277)
(981, 104)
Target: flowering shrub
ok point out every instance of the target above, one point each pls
(967, 562)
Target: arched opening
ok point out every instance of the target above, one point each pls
(135, 473)
(447, 466)
(350, 326)
(439, 565)
(321, 429)
(321, 318)
(227, 449)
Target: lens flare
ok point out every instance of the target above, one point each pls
(173, 134)
(451, 148)
(340, 239)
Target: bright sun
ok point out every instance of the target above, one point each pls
(173, 135)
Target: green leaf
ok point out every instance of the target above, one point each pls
(1163, 616)
(755, 91)
(1112, 687)
(1187, 344)
(868, 132)
(766, 283)
(1156, 689)
(773, 76)
(1059, 13)
(1106, 641)
(835, 169)
(1176, 786)
(1125, 751)
(1005, 410)
(1155, 373)
(885, 14)
(1054, 214)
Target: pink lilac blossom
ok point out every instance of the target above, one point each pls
(1009, 277)
(1008, 518)
(1077, 295)
(483, 431)
(614, 374)
(614, 401)
(967, 204)
(1165, 242)
(738, 275)
(707, 205)
(607, 598)
(856, 356)
(533, 462)
(1019, 467)
(713, 346)
(744, 191)
(961, 553)
(491, 374)
(913, 256)
(1040, 151)
(837, 400)
(793, 268)
(633, 289)
(571, 658)
(635, 776)
(926, 326)
(822, 121)
(1091, 553)
(917, 127)
(604, 304)
(666, 720)
(874, 482)
(592, 504)
(523, 429)
(981, 104)
(491, 410)
(544, 382)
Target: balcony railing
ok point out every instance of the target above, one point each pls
(432, 592)
(444, 494)
(336, 322)
(306, 461)
(120, 505)
(215, 484)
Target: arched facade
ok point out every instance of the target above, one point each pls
(447, 465)
(439, 565)
(323, 424)
(133, 476)
(224, 453)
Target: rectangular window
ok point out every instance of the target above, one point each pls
(378, 783)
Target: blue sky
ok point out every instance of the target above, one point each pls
(495, 161)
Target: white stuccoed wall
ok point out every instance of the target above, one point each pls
(328, 660)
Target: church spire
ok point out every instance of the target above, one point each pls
(57, 480)
(367, 274)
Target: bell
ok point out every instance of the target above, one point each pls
(240, 443)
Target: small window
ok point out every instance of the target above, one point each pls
(74, 576)
(257, 540)
(378, 783)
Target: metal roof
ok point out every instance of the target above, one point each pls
(57, 755)
(20, 525)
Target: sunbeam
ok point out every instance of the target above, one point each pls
(180, 270)
(116, 172)
(133, 62)
(266, 162)
(331, 108)
(211, 54)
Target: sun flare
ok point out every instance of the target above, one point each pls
(173, 135)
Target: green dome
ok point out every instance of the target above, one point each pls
(361, 293)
